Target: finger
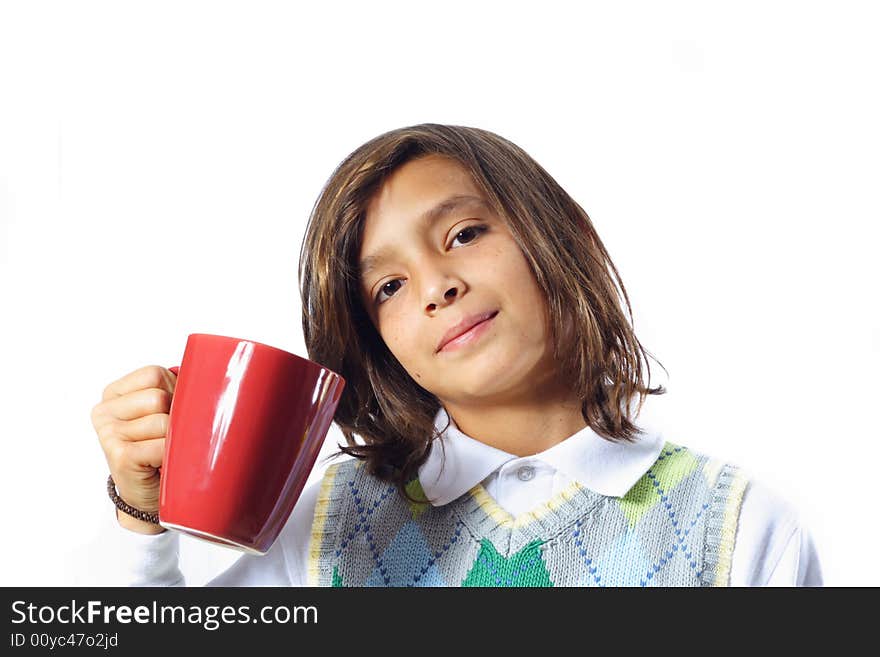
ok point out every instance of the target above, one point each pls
(150, 376)
(131, 406)
(136, 460)
(148, 453)
(140, 429)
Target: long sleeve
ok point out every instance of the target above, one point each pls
(132, 559)
(772, 545)
(799, 563)
(122, 557)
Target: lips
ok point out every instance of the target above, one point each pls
(464, 326)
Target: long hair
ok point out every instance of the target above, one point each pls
(387, 418)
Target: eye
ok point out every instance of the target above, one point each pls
(471, 232)
(382, 289)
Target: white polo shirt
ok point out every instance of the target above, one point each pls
(772, 546)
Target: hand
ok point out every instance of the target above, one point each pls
(131, 422)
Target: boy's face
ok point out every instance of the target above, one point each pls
(435, 275)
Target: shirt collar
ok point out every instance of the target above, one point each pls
(457, 462)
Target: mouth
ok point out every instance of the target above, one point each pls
(472, 335)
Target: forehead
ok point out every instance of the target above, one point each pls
(416, 195)
(416, 185)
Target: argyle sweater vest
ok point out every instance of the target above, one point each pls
(675, 527)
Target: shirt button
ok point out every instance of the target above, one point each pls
(525, 473)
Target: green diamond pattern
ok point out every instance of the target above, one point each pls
(414, 489)
(676, 464)
(525, 568)
(337, 580)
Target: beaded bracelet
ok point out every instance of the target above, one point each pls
(130, 510)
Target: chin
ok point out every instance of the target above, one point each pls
(482, 386)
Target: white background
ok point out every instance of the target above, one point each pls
(158, 162)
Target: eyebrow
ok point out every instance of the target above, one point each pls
(445, 207)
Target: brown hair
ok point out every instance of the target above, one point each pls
(381, 404)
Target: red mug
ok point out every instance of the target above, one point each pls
(246, 424)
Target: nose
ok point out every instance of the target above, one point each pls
(448, 296)
(440, 289)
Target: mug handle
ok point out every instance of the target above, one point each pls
(175, 369)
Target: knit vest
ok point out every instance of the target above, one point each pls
(675, 527)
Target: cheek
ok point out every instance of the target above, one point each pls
(519, 280)
(530, 301)
(402, 346)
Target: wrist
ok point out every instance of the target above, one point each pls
(136, 520)
(139, 526)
